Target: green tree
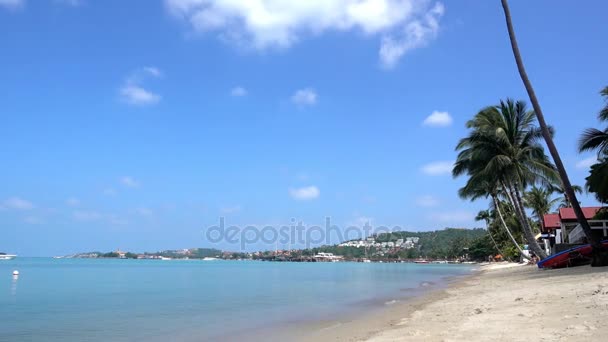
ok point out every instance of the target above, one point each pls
(485, 215)
(540, 202)
(503, 145)
(594, 139)
(558, 188)
(597, 181)
(600, 254)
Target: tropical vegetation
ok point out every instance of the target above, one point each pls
(597, 183)
(594, 139)
(502, 156)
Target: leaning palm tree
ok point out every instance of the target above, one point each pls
(484, 215)
(559, 189)
(593, 138)
(600, 254)
(484, 185)
(540, 202)
(504, 143)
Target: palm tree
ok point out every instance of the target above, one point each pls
(593, 138)
(559, 189)
(539, 200)
(485, 185)
(484, 215)
(597, 181)
(504, 144)
(600, 254)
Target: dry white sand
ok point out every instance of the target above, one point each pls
(502, 303)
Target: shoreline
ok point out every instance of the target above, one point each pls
(362, 323)
(504, 302)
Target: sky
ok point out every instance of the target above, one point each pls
(138, 124)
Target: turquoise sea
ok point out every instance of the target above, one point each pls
(192, 300)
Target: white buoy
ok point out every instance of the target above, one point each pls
(15, 273)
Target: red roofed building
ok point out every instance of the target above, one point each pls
(551, 222)
(565, 226)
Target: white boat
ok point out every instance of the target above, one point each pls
(209, 259)
(4, 256)
(165, 258)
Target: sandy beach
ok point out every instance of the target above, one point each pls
(502, 302)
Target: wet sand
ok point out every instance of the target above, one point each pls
(502, 302)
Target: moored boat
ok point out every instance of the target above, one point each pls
(4, 256)
(571, 257)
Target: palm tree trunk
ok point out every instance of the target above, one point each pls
(523, 219)
(504, 224)
(528, 229)
(494, 242)
(600, 254)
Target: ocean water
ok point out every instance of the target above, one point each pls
(191, 300)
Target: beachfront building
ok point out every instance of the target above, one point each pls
(328, 257)
(563, 228)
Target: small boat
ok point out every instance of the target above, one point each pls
(165, 258)
(4, 256)
(421, 261)
(209, 259)
(576, 256)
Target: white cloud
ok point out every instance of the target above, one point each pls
(238, 91)
(17, 203)
(262, 24)
(230, 210)
(304, 97)
(134, 93)
(453, 217)
(137, 95)
(415, 34)
(86, 215)
(438, 119)
(72, 202)
(586, 163)
(360, 221)
(143, 211)
(33, 220)
(427, 201)
(12, 4)
(129, 182)
(73, 3)
(438, 168)
(305, 193)
(117, 221)
(109, 192)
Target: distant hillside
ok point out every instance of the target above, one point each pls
(448, 243)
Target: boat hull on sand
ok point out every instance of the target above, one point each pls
(576, 256)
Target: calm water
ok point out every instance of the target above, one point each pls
(154, 300)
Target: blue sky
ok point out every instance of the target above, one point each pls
(136, 124)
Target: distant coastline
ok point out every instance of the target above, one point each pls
(450, 245)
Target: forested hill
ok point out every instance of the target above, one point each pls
(447, 243)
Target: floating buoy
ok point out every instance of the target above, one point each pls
(15, 273)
